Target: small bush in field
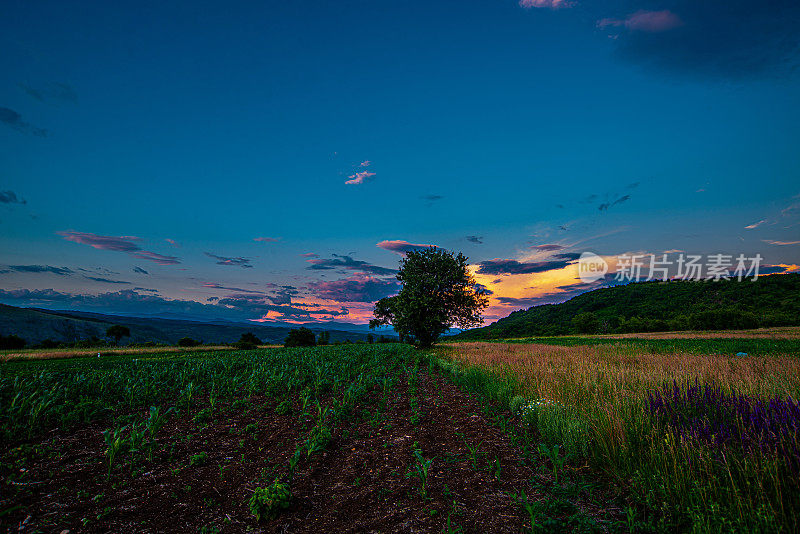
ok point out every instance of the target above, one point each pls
(284, 408)
(198, 459)
(268, 502)
(203, 416)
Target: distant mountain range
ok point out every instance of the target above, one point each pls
(659, 306)
(35, 325)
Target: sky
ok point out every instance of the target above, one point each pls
(272, 161)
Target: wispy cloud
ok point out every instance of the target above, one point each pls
(173, 242)
(11, 118)
(365, 163)
(159, 259)
(645, 21)
(102, 242)
(771, 242)
(478, 240)
(549, 247)
(10, 197)
(360, 178)
(310, 255)
(401, 247)
(140, 270)
(51, 91)
(244, 263)
(548, 4)
(125, 244)
(431, 198)
(267, 239)
(61, 271)
(605, 205)
(347, 263)
(755, 224)
(212, 285)
(505, 266)
(105, 280)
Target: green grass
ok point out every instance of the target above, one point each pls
(753, 347)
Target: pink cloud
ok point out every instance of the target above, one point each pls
(549, 4)
(365, 163)
(156, 258)
(359, 177)
(771, 242)
(310, 255)
(172, 242)
(400, 246)
(103, 242)
(645, 21)
(267, 239)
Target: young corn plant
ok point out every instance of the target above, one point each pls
(421, 470)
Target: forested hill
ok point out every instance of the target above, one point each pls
(659, 306)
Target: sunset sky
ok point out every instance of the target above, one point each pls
(273, 160)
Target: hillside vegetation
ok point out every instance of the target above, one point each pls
(659, 306)
(36, 326)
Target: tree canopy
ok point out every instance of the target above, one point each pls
(118, 331)
(437, 293)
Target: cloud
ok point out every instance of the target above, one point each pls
(348, 263)
(14, 120)
(717, 38)
(645, 21)
(244, 263)
(102, 242)
(549, 4)
(51, 91)
(771, 242)
(354, 289)
(105, 280)
(267, 239)
(61, 271)
(173, 243)
(159, 259)
(360, 178)
(521, 302)
(431, 198)
(140, 270)
(548, 247)
(401, 247)
(125, 244)
(604, 206)
(755, 224)
(10, 197)
(212, 285)
(365, 163)
(478, 240)
(310, 255)
(502, 266)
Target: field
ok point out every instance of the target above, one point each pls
(554, 436)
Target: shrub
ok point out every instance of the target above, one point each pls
(284, 408)
(300, 337)
(187, 342)
(245, 345)
(268, 502)
(198, 459)
(203, 416)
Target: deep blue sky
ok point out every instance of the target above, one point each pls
(212, 124)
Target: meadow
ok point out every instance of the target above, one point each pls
(558, 436)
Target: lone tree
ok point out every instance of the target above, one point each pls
(437, 293)
(118, 332)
